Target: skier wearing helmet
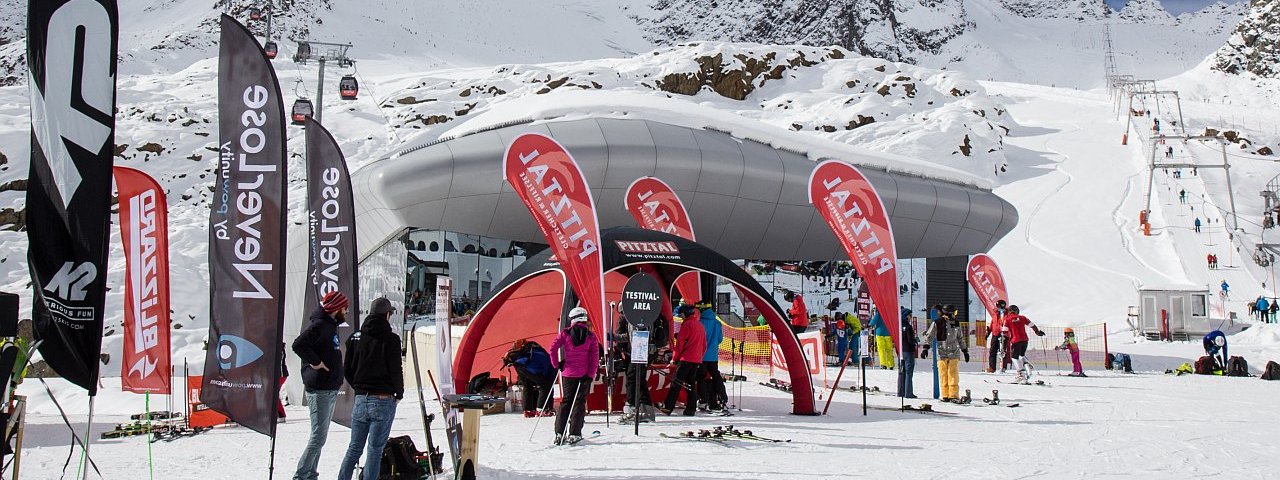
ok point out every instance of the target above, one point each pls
(997, 341)
(1017, 325)
(1069, 344)
(577, 363)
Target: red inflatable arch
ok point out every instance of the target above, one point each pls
(528, 304)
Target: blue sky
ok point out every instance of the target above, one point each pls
(1174, 6)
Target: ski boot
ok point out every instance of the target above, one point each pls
(628, 415)
(966, 399)
(647, 414)
(994, 400)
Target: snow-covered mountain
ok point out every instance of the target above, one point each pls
(1150, 12)
(1078, 10)
(1214, 19)
(1254, 46)
(899, 30)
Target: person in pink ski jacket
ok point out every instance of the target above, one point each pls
(576, 353)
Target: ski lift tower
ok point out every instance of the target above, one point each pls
(1127, 86)
(1109, 62)
(322, 52)
(1225, 166)
(1157, 94)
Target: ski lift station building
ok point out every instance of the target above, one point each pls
(744, 184)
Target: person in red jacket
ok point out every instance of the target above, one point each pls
(798, 313)
(1017, 325)
(691, 345)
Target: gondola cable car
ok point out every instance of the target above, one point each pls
(271, 49)
(255, 13)
(302, 110)
(304, 52)
(348, 87)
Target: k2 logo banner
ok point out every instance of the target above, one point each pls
(71, 60)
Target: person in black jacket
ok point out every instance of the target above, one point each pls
(907, 369)
(375, 371)
(317, 346)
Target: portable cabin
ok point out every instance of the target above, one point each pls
(1175, 312)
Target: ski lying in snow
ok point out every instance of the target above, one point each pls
(716, 413)
(175, 433)
(692, 436)
(729, 431)
(156, 416)
(923, 408)
(1037, 382)
(778, 384)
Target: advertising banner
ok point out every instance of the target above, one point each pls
(144, 227)
(247, 226)
(854, 212)
(71, 61)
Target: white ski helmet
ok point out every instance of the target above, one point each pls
(577, 315)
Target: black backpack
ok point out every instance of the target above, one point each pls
(1204, 365)
(400, 460)
(1272, 372)
(1237, 367)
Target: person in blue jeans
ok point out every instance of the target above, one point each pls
(317, 346)
(374, 370)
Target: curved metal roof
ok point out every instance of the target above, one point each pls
(746, 199)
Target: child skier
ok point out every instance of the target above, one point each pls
(1017, 325)
(1069, 344)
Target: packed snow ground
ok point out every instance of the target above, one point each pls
(1107, 425)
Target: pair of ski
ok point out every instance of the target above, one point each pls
(778, 384)
(177, 432)
(722, 435)
(923, 408)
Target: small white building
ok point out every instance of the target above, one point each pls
(1186, 308)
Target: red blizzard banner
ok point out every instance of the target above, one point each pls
(553, 188)
(144, 227)
(655, 206)
(854, 212)
(987, 281)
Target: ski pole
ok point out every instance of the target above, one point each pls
(550, 395)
